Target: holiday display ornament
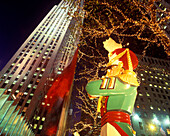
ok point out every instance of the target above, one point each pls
(116, 90)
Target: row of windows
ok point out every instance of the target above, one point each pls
(150, 107)
(155, 61)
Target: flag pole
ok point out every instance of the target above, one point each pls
(64, 113)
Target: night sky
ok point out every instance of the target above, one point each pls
(17, 20)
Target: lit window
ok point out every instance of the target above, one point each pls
(29, 86)
(35, 86)
(43, 103)
(35, 126)
(38, 68)
(43, 69)
(150, 84)
(40, 127)
(9, 90)
(164, 87)
(43, 119)
(7, 81)
(141, 74)
(151, 107)
(17, 91)
(147, 94)
(140, 94)
(31, 94)
(25, 93)
(29, 101)
(155, 85)
(38, 118)
(14, 82)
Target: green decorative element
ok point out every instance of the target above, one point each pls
(126, 127)
(121, 96)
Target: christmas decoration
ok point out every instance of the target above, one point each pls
(117, 91)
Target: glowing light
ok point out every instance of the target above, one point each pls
(127, 86)
(13, 96)
(155, 120)
(167, 121)
(152, 127)
(76, 134)
(136, 116)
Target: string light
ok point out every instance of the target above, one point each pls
(92, 58)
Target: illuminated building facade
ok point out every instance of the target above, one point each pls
(152, 108)
(25, 79)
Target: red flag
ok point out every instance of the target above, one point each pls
(55, 97)
(62, 84)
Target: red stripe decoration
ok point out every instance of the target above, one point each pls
(116, 116)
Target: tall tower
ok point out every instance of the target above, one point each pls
(152, 107)
(28, 75)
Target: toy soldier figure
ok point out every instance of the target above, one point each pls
(117, 91)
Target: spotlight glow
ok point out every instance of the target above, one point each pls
(152, 127)
(136, 117)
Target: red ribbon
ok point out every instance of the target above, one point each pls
(116, 116)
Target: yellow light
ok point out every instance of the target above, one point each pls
(76, 134)
(152, 127)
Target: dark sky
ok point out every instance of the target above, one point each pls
(17, 20)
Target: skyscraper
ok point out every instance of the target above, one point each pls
(152, 108)
(28, 75)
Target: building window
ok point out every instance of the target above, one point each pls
(151, 107)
